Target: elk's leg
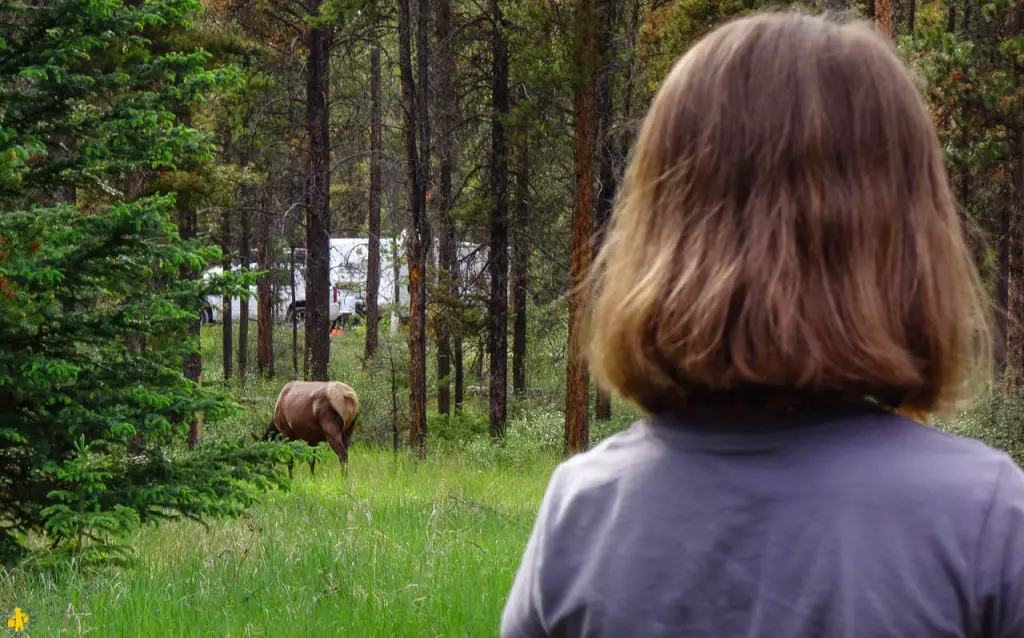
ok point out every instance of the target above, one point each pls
(346, 435)
(291, 463)
(331, 425)
(312, 467)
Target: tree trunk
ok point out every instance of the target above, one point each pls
(265, 293)
(520, 273)
(458, 354)
(606, 156)
(192, 364)
(295, 321)
(227, 336)
(318, 205)
(497, 325)
(885, 18)
(446, 110)
(577, 376)
(423, 101)
(1015, 293)
(243, 305)
(417, 240)
(1002, 292)
(911, 17)
(135, 186)
(373, 241)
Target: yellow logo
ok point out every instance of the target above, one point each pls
(18, 621)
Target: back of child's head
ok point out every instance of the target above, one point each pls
(786, 233)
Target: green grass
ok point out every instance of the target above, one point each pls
(395, 548)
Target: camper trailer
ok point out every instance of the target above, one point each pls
(348, 272)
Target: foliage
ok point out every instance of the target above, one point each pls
(95, 315)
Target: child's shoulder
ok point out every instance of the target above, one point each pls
(609, 459)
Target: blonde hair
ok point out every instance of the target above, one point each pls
(786, 234)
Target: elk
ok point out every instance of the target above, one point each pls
(314, 412)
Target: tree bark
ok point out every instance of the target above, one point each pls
(423, 99)
(192, 364)
(577, 427)
(417, 239)
(911, 17)
(497, 325)
(1002, 293)
(244, 250)
(227, 334)
(885, 18)
(373, 241)
(295, 321)
(458, 354)
(606, 156)
(318, 205)
(446, 110)
(1015, 294)
(265, 294)
(520, 273)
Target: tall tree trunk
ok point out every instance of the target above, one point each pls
(244, 250)
(577, 427)
(520, 272)
(497, 325)
(373, 241)
(1014, 375)
(135, 186)
(192, 364)
(295, 321)
(458, 354)
(446, 112)
(911, 17)
(264, 293)
(606, 154)
(227, 336)
(1002, 292)
(318, 205)
(885, 18)
(423, 100)
(417, 240)
(1015, 294)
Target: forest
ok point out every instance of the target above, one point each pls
(201, 200)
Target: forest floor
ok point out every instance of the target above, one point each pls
(394, 548)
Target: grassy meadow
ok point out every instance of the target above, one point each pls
(392, 547)
(395, 548)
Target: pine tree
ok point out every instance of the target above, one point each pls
(89, 107)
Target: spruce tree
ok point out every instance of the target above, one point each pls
(94, 309)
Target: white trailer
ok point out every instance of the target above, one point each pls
(348, 272)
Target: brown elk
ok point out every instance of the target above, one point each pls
(316, 411)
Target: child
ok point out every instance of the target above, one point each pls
(785, 273)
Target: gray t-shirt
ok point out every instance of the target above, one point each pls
(852, 523)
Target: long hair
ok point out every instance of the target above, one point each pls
(786, 233)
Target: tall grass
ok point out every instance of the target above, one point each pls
(394, 548)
